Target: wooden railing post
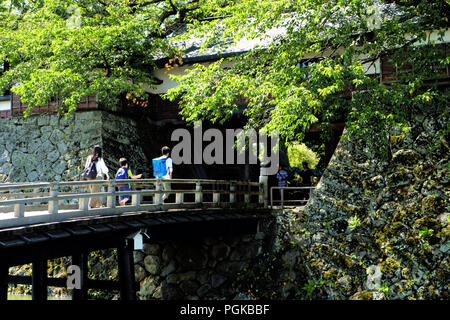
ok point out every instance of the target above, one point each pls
(232, 192)
(111, 198)
(198, 193)
(271, 197)
(216, 196)
(19, 210)
(263, 189)
(83, 203)
(53, 204)
(158, 196)
(36, 190)
(136, 199)
(179, 198)
(247, 194)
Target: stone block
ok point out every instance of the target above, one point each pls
(151, 248)
(220, 251)
(168, 269)
(191, 258)
(172, 278)
(152, 264)
(190, 275)
(147, 287)
(217, 280)
(203, 290)
(189, 287)
(139, 273)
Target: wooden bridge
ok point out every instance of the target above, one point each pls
(45, 202)
(45, 220)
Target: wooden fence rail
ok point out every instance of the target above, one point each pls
(44, 202)
(307, 192)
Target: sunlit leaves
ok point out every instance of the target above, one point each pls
(67, 50)
(309, 64)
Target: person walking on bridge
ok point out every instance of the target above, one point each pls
(124, 172)
(96, 162)
(307, 179)
(282, 177)
(163, 168)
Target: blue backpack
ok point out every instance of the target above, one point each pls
(122, 174)
(159, 167)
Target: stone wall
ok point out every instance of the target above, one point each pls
(46, 148)
(380, 230)
(196, 269)
(244, 267)
(123, 137)
(51, 148)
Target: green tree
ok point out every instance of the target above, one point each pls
(298, 153)
(70, 49)
(310, 53)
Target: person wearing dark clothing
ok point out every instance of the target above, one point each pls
(124, 172)
(307, 179)
(307, 175)
(282, 177)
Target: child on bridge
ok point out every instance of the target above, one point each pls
(124, 172)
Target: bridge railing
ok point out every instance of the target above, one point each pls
(44, 202)
(305, 193)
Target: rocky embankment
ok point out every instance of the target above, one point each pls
(380, 230)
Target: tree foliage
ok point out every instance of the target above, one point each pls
(312, 52)
(307, 53)
(299, 153)
(70, 49)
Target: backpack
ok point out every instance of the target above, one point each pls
(122, 174)
(90, 173)
(159, 167)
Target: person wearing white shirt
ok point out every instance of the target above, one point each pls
(102, 170)
(169, 170)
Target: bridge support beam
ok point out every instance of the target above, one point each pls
(4, 270)
(126, 270)
(81, 260)
(39, 280)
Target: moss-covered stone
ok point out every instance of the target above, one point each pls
(431, 204)
(363, 295)
(405, 157)
(422, 171)
(444, 233)
(389, 265)
(427, 222)
(404, 228)
(330, 274)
